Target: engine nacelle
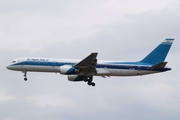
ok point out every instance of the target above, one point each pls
(68, 70)
(75, 78)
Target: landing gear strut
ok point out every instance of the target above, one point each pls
(89, 81)
(25, 75)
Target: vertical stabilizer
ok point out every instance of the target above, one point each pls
(159, 53)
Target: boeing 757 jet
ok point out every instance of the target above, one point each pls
(85, 69)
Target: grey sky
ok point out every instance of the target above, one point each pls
(117, 30)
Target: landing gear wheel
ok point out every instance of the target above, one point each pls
(93, 84)
(89, 83)
(25, 79)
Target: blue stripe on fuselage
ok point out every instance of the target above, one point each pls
(71, 71)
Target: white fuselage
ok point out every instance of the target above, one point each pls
(104, 68)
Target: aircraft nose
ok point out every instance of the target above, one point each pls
(8, 67)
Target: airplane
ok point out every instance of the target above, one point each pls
(85, 69)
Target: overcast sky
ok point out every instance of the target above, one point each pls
(124, 30)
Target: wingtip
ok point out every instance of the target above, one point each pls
(168, 40)
(94, 52)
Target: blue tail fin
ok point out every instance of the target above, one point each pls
(159, 53)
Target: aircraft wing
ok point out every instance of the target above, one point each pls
(88, 64)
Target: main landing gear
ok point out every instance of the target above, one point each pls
(25, 75)
(89, 81)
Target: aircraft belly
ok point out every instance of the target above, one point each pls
(131, 72)
(122, 72)
(146, 72)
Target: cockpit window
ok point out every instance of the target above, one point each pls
(13, 61)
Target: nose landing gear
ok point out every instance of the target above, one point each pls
(25, 75)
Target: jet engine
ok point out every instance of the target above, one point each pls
(75, 78)
(68, 69)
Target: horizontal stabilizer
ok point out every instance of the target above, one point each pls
(158, 66)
